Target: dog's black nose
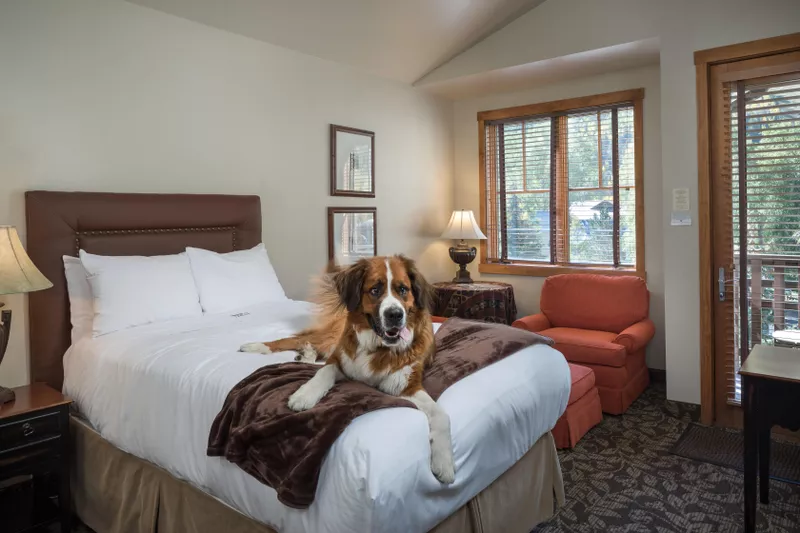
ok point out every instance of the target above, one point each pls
(393, 315)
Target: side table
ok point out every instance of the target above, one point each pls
(34, 443)
(488, 301)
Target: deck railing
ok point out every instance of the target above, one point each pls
(773, 294)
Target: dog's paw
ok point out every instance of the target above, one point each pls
(302, 400)
(306, 355)
(443, 468)
(443, 465)
(255, 347)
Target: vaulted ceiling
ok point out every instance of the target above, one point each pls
(397, 39)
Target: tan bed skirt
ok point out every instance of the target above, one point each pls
(115, 492)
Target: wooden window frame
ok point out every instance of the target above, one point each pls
(704, 60)
(525, 268)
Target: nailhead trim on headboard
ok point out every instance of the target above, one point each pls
(79, 234)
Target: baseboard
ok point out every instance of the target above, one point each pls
(657, 375)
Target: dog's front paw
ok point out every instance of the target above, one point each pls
(302, 400)
(255, 347)
(306, 355)
(443, 465)
(444, 469)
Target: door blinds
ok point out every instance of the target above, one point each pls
(761, 148)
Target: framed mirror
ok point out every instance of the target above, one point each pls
(352, 162)
(352, 234)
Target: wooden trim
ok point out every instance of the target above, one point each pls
(750, 49)
(545, 270)
(345, 192)
(333, 210)
(703, 60)
(569, 104)
(762, 67)
(706, 267)
(638, 135)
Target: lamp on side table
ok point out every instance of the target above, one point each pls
(18, 274)
(463, 226)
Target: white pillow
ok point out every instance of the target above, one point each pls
(134, 290)
(234, 280)
(81, 308)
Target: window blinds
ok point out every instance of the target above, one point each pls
(560, 188)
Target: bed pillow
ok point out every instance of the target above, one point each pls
(134, 290)
(234, 280)
(81, 309)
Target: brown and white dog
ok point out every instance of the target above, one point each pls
(374, 327)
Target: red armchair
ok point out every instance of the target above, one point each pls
(600, 322)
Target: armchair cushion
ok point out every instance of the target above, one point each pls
(587, 346)
(535, 323)
(636, 337)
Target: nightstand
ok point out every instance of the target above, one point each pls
(488, 301)
(34, 450)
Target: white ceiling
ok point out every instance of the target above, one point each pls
(558, 69)
(397, 39)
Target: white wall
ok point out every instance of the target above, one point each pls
(100, 95)
(561, 27)
(467, 182)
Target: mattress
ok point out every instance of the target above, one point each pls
(154, 390)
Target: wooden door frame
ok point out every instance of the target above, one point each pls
(704, 60)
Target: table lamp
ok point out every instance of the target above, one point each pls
(17, 274)
(463, 226)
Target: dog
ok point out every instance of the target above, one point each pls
(374, 327)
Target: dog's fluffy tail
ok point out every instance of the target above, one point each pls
(325, 295)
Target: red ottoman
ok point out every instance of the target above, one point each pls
(583, 408)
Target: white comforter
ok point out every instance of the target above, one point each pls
(154, 390)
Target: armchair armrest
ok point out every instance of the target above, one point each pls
(636, 337)
(535, 323)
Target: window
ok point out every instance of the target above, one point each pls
(561, 185)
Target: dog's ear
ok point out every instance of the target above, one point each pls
(420, 288)
(349, 283)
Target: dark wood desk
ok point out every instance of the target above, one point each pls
(770, 394)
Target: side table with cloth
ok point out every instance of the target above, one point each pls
(482, 300)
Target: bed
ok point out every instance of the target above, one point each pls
(145, 397)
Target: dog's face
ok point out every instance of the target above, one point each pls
(387, 291)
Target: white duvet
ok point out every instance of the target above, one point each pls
(154, 391)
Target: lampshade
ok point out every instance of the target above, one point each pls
(17, 271)
(463, 226)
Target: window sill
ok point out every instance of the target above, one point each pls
(527, 269)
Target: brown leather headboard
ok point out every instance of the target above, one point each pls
(61, 223)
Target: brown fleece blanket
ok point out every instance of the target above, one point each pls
(283, 449)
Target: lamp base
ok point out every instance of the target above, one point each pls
(462, 256)
(6, 395)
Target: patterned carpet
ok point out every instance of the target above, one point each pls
(622, 478)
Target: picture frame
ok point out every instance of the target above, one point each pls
(352, 162)
(352, 234)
